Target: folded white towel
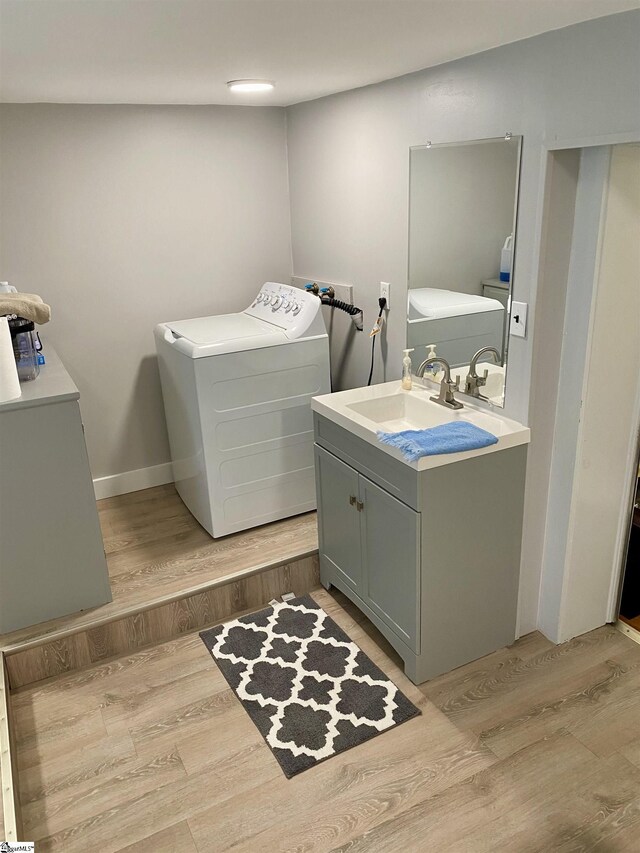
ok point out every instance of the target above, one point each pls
(27, 305)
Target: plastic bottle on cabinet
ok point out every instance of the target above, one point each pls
(505, 259)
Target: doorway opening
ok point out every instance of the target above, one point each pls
(591, 384)
(629, 610)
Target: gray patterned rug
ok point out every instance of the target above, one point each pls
(311, 692)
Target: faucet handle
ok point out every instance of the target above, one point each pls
(456, 384)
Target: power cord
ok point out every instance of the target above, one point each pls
(382, 302)
(327, 297)
(356, 313)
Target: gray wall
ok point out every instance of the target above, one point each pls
(348, 173)
(125, 216)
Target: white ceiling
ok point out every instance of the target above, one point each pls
(184, 51)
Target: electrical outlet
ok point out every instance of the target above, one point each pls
(385, 293)
(518, 324)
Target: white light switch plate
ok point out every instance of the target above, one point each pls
(518, 325)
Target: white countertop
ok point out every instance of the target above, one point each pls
(52, 385)
(342, 408)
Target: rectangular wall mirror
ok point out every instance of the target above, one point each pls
(463, 201)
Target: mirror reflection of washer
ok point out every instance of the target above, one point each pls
(237, 390)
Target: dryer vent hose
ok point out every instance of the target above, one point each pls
(356, 313)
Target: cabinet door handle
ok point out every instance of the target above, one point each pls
(352, 500)
(359, 505)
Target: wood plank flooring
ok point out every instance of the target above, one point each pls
(533, 748)
(156, 550)
(59, 655)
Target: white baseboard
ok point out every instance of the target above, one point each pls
(133, 481)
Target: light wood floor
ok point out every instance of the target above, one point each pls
(156, 549)
(534, 748)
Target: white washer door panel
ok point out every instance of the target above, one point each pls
(257, 431)
(265, 387)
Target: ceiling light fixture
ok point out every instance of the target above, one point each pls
(250, 85)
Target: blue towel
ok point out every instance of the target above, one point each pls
(454, 437)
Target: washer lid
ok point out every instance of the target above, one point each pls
(224, 333)
(432, 303)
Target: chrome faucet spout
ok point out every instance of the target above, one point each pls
(435, 360)
(447, 387)
(473, 382)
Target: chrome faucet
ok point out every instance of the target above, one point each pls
(447, 387)
(473, 382)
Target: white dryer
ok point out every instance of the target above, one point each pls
(458, 323)
(237, 390)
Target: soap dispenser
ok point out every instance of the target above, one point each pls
(433, 369)
(406, 370)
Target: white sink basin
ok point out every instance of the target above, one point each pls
(387, 408)
(396, 412)
(400, 411)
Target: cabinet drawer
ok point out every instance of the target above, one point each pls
(390, 474)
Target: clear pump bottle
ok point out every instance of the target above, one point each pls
(406, 370)
(432, 371)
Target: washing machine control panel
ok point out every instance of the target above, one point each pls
(294, 310)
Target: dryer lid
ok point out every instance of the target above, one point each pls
(433, 303)
(225, 333)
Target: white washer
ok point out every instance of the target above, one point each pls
(458, 323)
(237, 390)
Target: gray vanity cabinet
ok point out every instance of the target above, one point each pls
(432, 557)
(52, 559)
(391, 560)
(371, 543)
(339, 519)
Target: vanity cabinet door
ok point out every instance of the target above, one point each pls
(338, 520)
(390, 557)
